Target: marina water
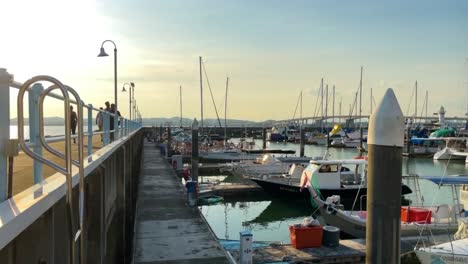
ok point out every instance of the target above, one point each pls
(269, 218)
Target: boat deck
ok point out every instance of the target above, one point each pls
(166, 229)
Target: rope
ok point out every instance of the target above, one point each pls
(211, 93)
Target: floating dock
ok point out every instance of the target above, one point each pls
(349, 251)
(166, 229)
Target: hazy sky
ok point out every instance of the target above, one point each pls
(271, 50)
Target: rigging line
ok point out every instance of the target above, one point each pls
(316, 103)
(297, 104)
(211, 93)
(436, 196)
(409, 104)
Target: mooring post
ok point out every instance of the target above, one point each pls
(386, 132)
(264, 137)
(302, 139)
(195, 157)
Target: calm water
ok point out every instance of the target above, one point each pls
(48, 131)
(269, 218)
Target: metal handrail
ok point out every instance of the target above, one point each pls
(79, 163)
(67, 170)
(67, 156)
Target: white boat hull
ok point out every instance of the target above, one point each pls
(448, 154)
(455, 252)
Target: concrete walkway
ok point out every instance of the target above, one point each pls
(167, 230)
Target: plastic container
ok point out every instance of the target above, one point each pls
(414, 214)
(305, 237)
(331, 236)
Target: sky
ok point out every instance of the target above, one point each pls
(271, 51)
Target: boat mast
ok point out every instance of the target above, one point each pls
(326, 105)
(427, 98)
(225, 111)
(180, 97)
(302, 121)
(333, 111)
(415, 101)
(360, 99)
(360, 109)
(321, 104)
(201, 95)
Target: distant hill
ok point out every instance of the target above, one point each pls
(186, 122)
(157, 121)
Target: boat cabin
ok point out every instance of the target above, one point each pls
(336, 174)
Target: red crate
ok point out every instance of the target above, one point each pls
(305, 237)
(414, 214)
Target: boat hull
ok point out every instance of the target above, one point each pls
(289, 191)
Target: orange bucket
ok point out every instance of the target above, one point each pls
(305, 237)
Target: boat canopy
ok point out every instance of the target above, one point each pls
(447, 180)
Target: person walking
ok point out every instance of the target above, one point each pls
(112, 111)
(73, 122)
(100, 120)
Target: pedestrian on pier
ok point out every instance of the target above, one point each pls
(100, 120)
(112, 111)
(73, 122)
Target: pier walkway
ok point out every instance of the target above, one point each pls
(167, 229)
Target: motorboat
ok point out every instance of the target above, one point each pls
(267, 164)
(346, 178)
(454, 149)
(442, 218)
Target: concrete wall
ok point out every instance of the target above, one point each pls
(110, 207)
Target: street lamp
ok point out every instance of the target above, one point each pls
(130, 96)
(102, 53)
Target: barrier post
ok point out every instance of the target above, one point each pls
(34, 93)
(4, 130)
(90, 132)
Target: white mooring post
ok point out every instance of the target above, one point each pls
(386, 135)
(4, 130)
(246, 238)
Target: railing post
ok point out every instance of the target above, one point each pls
(34, 93)
(105, 138)
(4, 130)
(90, 132)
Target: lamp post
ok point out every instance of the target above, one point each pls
(102, 53)
(131, 94)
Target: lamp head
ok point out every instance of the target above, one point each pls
(132, 84)
(102, 53)
(123, 89)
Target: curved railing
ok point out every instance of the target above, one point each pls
(38, 140)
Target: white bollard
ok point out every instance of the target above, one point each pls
(246, 238)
